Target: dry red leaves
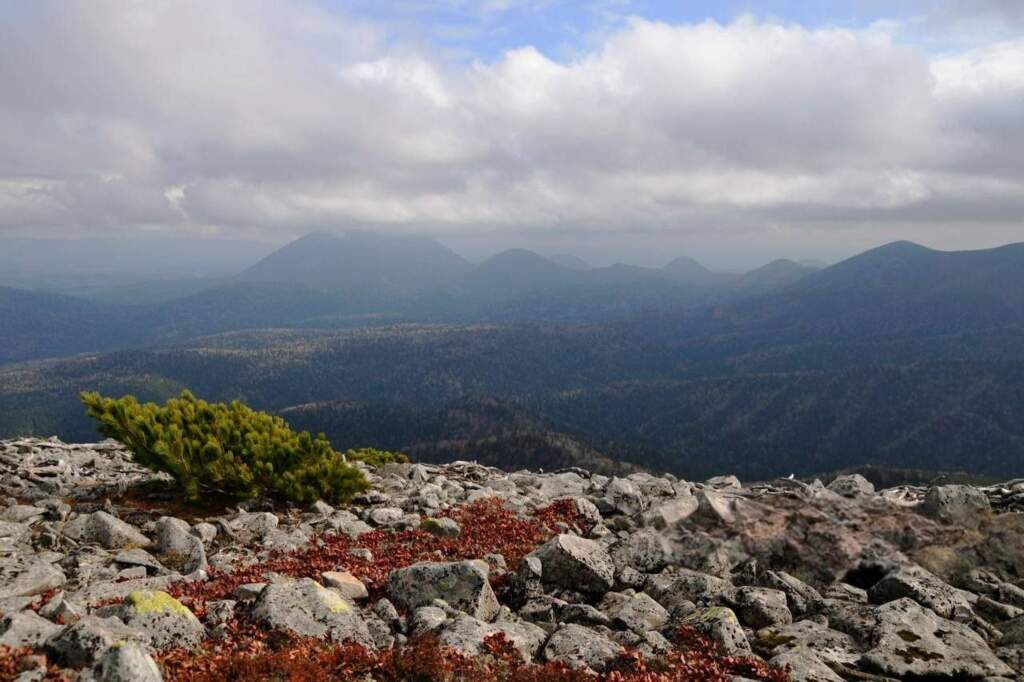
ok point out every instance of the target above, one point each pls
(14, 662)
(487, 527)
(250, 655)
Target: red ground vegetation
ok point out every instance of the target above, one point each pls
(487, 527)
(251, 655)
(13, 662)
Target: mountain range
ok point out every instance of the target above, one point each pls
(901, 356)
(339, 281)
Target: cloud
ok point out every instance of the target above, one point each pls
(270, 119)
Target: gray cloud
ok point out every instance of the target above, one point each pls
(270, 119)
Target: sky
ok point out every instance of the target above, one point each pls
(616, 130)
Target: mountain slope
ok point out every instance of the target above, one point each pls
(38, 324)
(361, 262)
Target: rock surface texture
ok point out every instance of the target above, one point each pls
(837, 582)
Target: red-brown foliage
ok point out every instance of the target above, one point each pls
(487, 527)
(249, 655)
(13, 662)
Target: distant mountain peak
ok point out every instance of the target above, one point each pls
(569, 261)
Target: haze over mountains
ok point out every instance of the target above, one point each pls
(900, 356)
(335, 281)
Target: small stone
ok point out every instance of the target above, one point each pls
(442, 526)
(127, 662)
(248, 591)
(345, 583)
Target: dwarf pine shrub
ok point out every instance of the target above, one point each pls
(226, 448)
(374, 457)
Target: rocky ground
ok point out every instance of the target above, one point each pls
(107, 575)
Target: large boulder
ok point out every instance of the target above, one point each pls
(311, 610)
(31, 578)
(581, 647)
(127, 663)
(852, 485)
(467, 635)
(835, 648)
(463, 585)
(105, 530)
(646, 550)
(634, 611)
(83, 643)
(760, 607)
(625, 496)
(959, 505)
(180, 547)
(911, 641)
(720, 624)
(26, 629)
(575, 563)
(924, 588)
(169, 623)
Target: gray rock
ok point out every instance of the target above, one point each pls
(248, 591)
(105, 530)
(426, 619)
(729, 482)
(924, 588)
(575, 563)
(581, 647)
(127, 663)
(168, 622)
(960, 505)
(442, 526)
(830, 646)
(646, 550)
(636, 612)
(464, 585)
(912, 641)
(562, 485)
(685, 585)
(466, 635)
(26, 629)
(138, 557)
(385, 516)
(249, 527)
(720, 624)
(805, 666)
(308, 609)
(180, 548)
(35, 577)
(206, 532)
(852, 485)
(625, 496)
(346, 584)
(83, 643)
(671, 513)
(759, 607)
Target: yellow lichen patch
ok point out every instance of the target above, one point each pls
(334, 602)
(718, 613)
(155, 601)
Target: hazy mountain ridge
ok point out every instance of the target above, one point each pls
(329, 281)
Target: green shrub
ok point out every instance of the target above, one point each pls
(375, 458)
(227, 448)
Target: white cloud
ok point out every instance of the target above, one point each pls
(275, 118)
